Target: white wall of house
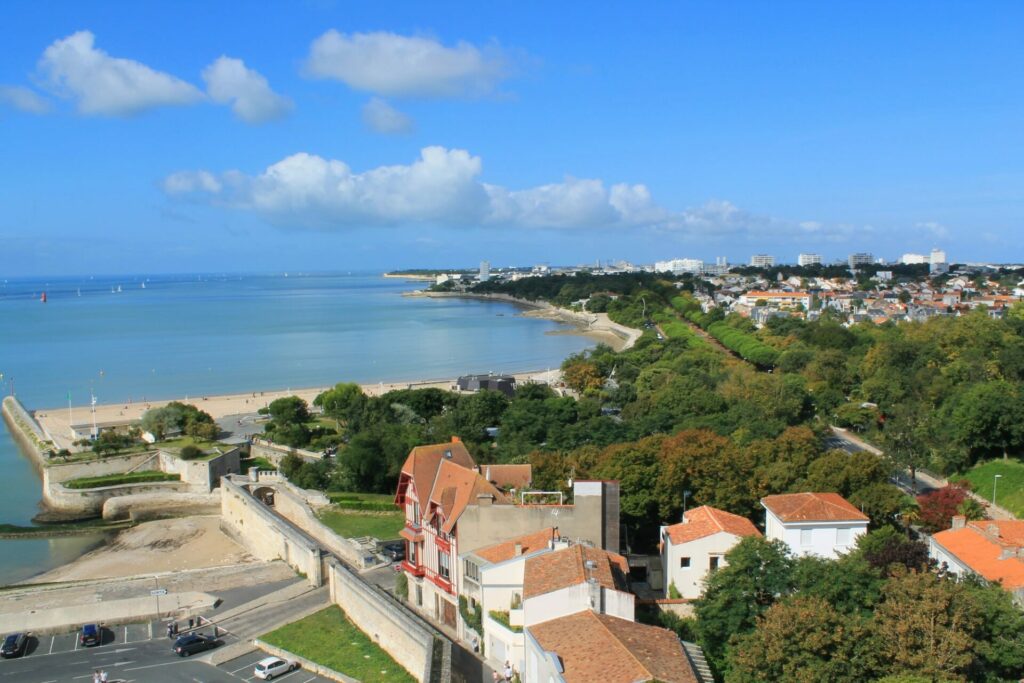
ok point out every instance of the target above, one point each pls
(690, 580)
(943, 556)
(573, 599)
(824, 539)
(498, 584)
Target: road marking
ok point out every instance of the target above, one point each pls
(126, 634)
(76, 645)
(293, 671)
(52, 641)
(151, 666)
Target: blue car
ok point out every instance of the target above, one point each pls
(90, 635)
(14, 645)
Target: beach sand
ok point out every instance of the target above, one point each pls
(55, 420)
(163, 545)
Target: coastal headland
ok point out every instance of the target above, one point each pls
(596, 326)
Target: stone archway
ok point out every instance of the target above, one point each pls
(265, 495)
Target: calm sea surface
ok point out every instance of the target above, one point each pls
(204, 334)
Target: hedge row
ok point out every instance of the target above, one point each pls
(676, 329)
(120, 479)
(749, 347)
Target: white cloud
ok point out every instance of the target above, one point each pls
(191, 181)
(934, 229)
(390, 64)
(381, 117)
(443, 187)
(109, 86)
(228, 80)
(23, 99)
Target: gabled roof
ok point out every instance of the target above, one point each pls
(599, 647)
(506, 550)
(706, 521)
(812, 507)
(455, 487)
(422, 463)
(567, 567)
(508, 476)
(979, 545)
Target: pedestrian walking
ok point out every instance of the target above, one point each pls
(103, 677)
(96, 676)
(191, 623)
(170, 630)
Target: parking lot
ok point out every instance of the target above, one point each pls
(242, 669)
(116, 635)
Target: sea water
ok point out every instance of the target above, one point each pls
(198, 335)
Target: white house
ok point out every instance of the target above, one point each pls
(537, 578)
(990, 549)
(823, 524)
(696, 547)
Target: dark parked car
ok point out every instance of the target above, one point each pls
(90, 635)
(14, 645)
(193, 643)
(394, 551)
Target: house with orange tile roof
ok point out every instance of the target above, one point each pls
(587, 646)
(822, 524)
(452, 506)
(542, 576)
(990, 549)
(696, 546)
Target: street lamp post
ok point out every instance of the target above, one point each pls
(995, 480)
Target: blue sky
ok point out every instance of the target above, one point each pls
(170, 137)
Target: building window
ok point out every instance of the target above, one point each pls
(443, 567)
(842, 537)
(713, 562)
(684, 563)
(805, 537)
(410, 552)
(471, 571)
(419, 596)
(416, 513)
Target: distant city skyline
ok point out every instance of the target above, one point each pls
(327, 136)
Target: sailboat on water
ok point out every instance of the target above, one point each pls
(43, 298)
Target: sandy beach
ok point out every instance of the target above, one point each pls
(164, 545)
(55, 420)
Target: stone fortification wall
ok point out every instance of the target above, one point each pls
(58, 472)
(275, 453)
(384, 619)
(25, 430)
(202, 475)
(263, 534)
(290, 504)
(92, 501)
(142, 506)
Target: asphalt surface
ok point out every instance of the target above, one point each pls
(901, 479)
(130, 655)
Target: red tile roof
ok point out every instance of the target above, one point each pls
(979, 545)
(813, 507)
(598, 647)
(508, 476)
(506, 550)
(567, 567)
(706, 521)
(422, 462)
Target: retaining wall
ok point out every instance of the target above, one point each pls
(25, 430)
(385, 620)
(92, 500)
(293, 507)
(275, 453)
(259, 531)
(203, 474)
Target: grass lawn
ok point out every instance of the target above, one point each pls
(330, 639)
(201, 444)
(349, 524)
(1009, 491)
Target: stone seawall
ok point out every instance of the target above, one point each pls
(275, 453)
(91, 501)
(26, 431)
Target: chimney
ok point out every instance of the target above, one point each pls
(456, 439)
(1008, 553)
(992, 530)
(518, 549)
(484, 499)
(959, 521)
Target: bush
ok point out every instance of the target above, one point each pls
(190, 452)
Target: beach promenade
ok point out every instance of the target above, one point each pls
(55, 421)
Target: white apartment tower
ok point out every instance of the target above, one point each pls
(809, 260)
(862, 258)
(485, 271)
(762, 261)
(937, 256)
